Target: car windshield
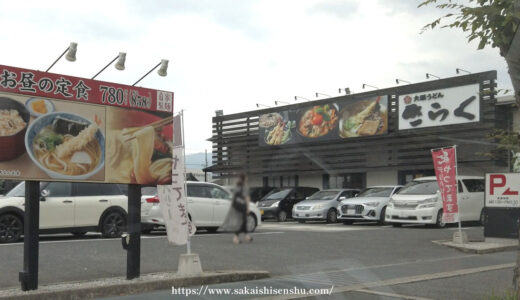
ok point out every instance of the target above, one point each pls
(324, 195)
(420, 188)
(19, 190)
(376, 192)
(277, 194)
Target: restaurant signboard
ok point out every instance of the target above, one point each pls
(61, 128)
(449, 106)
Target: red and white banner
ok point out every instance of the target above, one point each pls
(172, 197)
(445, 164)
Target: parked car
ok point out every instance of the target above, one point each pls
(322, 205)
(369, 205)
(278, 204)
(148, 196)
(66, 207)
(257, 193)
(7, 185)
(419, 202)
(208, 205)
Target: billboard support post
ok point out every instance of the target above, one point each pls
(29, 276)
(133, 256)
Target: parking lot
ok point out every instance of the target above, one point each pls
(310, 254)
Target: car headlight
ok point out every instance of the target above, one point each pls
(319, 206)
(275, 204)
(429, 202)
(372, 204)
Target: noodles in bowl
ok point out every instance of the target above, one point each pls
(66, 146)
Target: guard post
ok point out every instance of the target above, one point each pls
(29, 276)
(133, 256)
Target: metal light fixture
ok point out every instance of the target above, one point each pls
(120, 64)
(276, 102)
(397, 80)
(162, 70)
(259, 104)
(71, 54)
(428, 75)
(459, 69)
(365, 85)
(347, 91)
(298, 97)
(323, 95)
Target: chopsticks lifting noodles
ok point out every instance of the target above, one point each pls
(157, 124)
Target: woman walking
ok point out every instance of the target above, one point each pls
(236, 219)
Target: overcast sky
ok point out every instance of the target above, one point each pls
(231, 54)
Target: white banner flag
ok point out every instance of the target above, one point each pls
(172, 197)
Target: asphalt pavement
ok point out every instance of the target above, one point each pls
(394, 262)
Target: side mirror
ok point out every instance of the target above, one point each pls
(43, 194)
(306, 198)
(357, 194)
(342, 198)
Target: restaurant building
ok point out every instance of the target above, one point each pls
(380, 137)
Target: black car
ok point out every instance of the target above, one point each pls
(279, 202)
(256, 193)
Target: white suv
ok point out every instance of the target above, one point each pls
(208, 205)
(66, 207)
(420, 202)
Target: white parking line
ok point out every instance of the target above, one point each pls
(399, 296)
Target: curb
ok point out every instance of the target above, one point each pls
(119, 286)
(464, 247)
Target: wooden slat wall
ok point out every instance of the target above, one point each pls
(236, 148)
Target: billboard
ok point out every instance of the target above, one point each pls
(502, 190)
(61, 128)
(457, 105)
(330, 121)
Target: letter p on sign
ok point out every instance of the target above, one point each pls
(496, 180)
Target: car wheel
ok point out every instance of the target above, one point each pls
(482, 219)
(382, 216)
(348, 222)
(397, 224)
(440, 223)
(251, 223)
(301, 221)
(11, 228)
(332, 216)
(79, 233)
(282, 216)
(113, 225)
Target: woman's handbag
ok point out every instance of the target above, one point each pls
(239, 202)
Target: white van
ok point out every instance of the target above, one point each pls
(419, 202)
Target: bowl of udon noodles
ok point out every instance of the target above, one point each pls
(14, 118)
(66, 146)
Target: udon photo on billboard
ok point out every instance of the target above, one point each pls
(103, 133)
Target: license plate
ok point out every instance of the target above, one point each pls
(351, 211)
(261, 212)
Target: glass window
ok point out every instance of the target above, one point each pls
(149, 190)
(277, 194)
(88, 189)
(217, 193)
(323, 195)
(110, 189)
(59, 189)
(422, 187)
(474, 185)
(376, 192)
(349, 194)
(200, 191)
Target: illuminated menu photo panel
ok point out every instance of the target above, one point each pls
(327, 121)
(61, 128)
(457, 105)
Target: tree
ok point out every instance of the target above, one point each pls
(494, 23)
(491, 22)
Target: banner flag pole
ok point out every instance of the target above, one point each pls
(458, 198)
(188, 242)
